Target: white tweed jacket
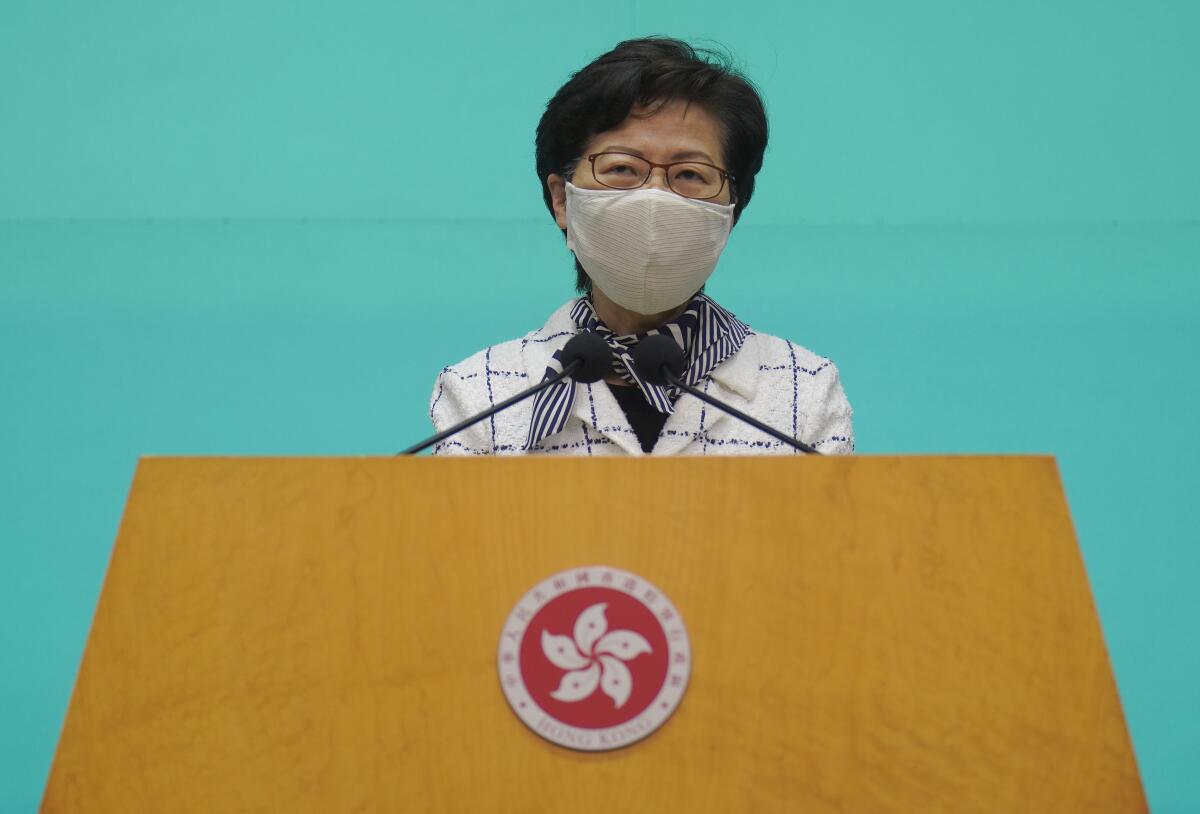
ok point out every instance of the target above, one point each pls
(772, 379)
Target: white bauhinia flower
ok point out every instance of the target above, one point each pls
(594, 658)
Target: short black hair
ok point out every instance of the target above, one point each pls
(650, 72)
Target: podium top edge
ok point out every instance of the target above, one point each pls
(648, 458)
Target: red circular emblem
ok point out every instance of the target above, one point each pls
(594, 658)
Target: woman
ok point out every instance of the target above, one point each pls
(647, 158)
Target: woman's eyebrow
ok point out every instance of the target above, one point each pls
(682, 155)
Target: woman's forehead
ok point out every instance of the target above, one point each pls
(664, 133)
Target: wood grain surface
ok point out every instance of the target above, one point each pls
(868, 635)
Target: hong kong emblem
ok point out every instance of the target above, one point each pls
(594, 658)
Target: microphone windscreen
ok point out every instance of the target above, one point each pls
(590, 349)
(653, 354)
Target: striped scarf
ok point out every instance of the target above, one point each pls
(707, 333)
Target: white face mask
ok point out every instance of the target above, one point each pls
(647, 249)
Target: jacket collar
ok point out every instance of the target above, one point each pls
(739, 373)
(733, 382)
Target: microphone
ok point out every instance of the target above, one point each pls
(659, 360)
(586, 358)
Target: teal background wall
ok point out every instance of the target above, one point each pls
(261, 228)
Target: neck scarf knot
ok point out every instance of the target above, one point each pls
(707, 333)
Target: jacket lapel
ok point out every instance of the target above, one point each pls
(734, 382)
(595, 405)
(609, 419)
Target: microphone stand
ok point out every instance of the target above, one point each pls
(569, 369)
(671, 378)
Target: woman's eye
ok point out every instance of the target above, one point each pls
(619, 168)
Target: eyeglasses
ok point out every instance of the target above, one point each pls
(691, 179)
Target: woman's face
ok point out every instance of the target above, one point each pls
(676, 132)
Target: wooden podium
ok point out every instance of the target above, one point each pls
(867, 635)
